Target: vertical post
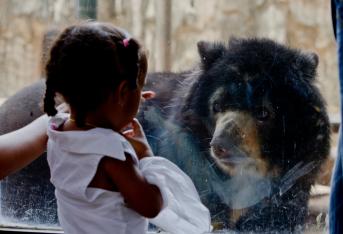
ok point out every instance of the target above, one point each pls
(163, 35)
(137, 18)
(336, 195)
(87, 9)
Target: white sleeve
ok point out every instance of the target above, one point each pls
(183, 212)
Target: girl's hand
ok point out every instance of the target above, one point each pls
(63, 108)
(138, 140)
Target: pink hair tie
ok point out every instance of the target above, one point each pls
(126, 42)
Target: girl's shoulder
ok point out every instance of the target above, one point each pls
(100, 141)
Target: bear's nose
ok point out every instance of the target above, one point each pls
(219, 149)
(228, 153)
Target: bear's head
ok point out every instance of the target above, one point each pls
(256, 108)
(250, 127)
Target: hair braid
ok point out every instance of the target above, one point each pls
(49, 99)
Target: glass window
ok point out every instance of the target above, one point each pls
(246, 119)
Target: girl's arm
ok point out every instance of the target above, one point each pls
(19, 148)
(141, 196)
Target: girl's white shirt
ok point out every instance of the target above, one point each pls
(73, 158)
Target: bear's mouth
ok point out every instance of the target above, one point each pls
(229, 156)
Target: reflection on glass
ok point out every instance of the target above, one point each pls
(247, 123)
(28, 197)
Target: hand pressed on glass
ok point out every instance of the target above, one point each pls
(137, 138)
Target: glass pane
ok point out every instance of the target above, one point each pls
(244, 120)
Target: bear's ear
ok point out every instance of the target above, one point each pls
(209, 52)
(313, 59)
(308, 64)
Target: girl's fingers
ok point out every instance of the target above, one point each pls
(132, 129)
(137, 128)
(128, 133)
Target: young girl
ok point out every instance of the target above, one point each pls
(104, 184)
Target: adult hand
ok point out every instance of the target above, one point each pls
(146, 95)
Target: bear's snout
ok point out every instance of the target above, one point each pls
(226, 152)
(233, 144)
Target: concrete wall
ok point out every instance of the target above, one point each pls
(304, 24)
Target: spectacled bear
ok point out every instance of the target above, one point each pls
(250, 128)
(248, 125)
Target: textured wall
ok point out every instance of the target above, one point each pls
(22, 24)
(302, 23)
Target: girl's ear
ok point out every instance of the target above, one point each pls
(122, 92)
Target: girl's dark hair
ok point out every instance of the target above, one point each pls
(87, 62)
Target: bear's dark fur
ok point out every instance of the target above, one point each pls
(248, 126)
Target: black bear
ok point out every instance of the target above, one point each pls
(247, 124)
(250, 128)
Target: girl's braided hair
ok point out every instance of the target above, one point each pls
(87, 62)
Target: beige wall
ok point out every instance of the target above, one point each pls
(304, 24)
(22, 25)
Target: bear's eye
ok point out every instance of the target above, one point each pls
(262, 114)
(216, 107)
